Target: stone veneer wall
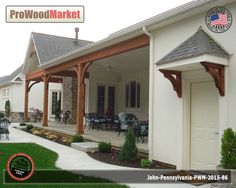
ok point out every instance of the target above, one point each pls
(70, 96)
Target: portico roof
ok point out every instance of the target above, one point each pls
(198, 44)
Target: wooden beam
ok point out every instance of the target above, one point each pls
(45, 100)
(122, 47)
(26, 105)
(34, 75)
(218, 74)
(30, 86)
(175, 78)
(80, 99)
(67, 73)
(56, 80)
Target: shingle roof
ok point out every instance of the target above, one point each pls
(10, 77)
(198, 44)
(50, 46)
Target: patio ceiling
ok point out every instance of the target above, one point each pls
(132, 61)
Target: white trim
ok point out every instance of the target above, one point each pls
(193, 62)
(178, 13)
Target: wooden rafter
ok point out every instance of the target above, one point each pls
(218, 74)
(175, 78)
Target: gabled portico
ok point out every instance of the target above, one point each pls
(196, 70)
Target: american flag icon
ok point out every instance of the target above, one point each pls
(219, 19)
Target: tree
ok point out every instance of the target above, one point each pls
(129, 150)
(7, 108)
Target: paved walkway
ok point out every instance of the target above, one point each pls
(71, 159)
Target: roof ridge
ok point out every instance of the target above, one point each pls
(57, 36)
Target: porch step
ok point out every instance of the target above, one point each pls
(85, 146)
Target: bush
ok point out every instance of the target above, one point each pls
(129, 149)
(22, 124)
(29, 127)
(228, 149)
(77, 138)
(104, 147)
(145, 163)
(1, 115)
(7, 109)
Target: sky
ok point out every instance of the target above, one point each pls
(102, 17)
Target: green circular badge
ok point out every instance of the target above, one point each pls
(20, 167)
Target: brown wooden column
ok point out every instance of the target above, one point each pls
(80, 99)
(45, 100)
(26, 106)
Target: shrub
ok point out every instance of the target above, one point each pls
(104, 147)
(29, 127)
(7, 109)
(1, 115)
(22, 124)
(145, 163)
(77, 138)
(228, 149)
(129, 149)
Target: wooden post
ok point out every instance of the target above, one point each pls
(80, 99)
(26, 113)
(45, 100)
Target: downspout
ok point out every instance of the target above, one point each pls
(151, 92)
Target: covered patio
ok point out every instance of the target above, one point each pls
(126, 57)
(114, 76)
(94, 135)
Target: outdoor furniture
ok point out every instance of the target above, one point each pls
(123, 126)
(89, 120)
(99, 120)
(141, 131)
(4, 124)
(20, 117)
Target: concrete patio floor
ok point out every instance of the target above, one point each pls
(95, 135)
(71, 159)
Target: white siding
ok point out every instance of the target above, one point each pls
(168, 108)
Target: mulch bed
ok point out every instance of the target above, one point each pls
(112, 158)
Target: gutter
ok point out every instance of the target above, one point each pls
(126, 33)
(151, 93)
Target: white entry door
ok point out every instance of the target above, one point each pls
(204, 126)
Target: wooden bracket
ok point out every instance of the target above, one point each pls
(85, 70)
(175, 78)
(218, 74)
(30, 86)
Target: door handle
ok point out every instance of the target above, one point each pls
(216, 133)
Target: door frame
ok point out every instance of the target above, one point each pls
(186, 129)
(106, 84)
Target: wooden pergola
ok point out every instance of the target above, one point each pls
(76, 68)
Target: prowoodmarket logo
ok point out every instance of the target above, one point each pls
(44, 14)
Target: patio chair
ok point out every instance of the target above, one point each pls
(141, 131)
(123, 125)
(99, 120)
(89, 120)
(4, 124)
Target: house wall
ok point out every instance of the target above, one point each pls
(98, 75)
(16, 96)
(168, 114)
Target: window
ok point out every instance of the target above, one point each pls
(56, 96)
(101, 100)
(5, 92)
(132, 95)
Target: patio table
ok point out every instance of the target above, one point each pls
(4, 124)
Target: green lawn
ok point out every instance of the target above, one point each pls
(44, 159)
